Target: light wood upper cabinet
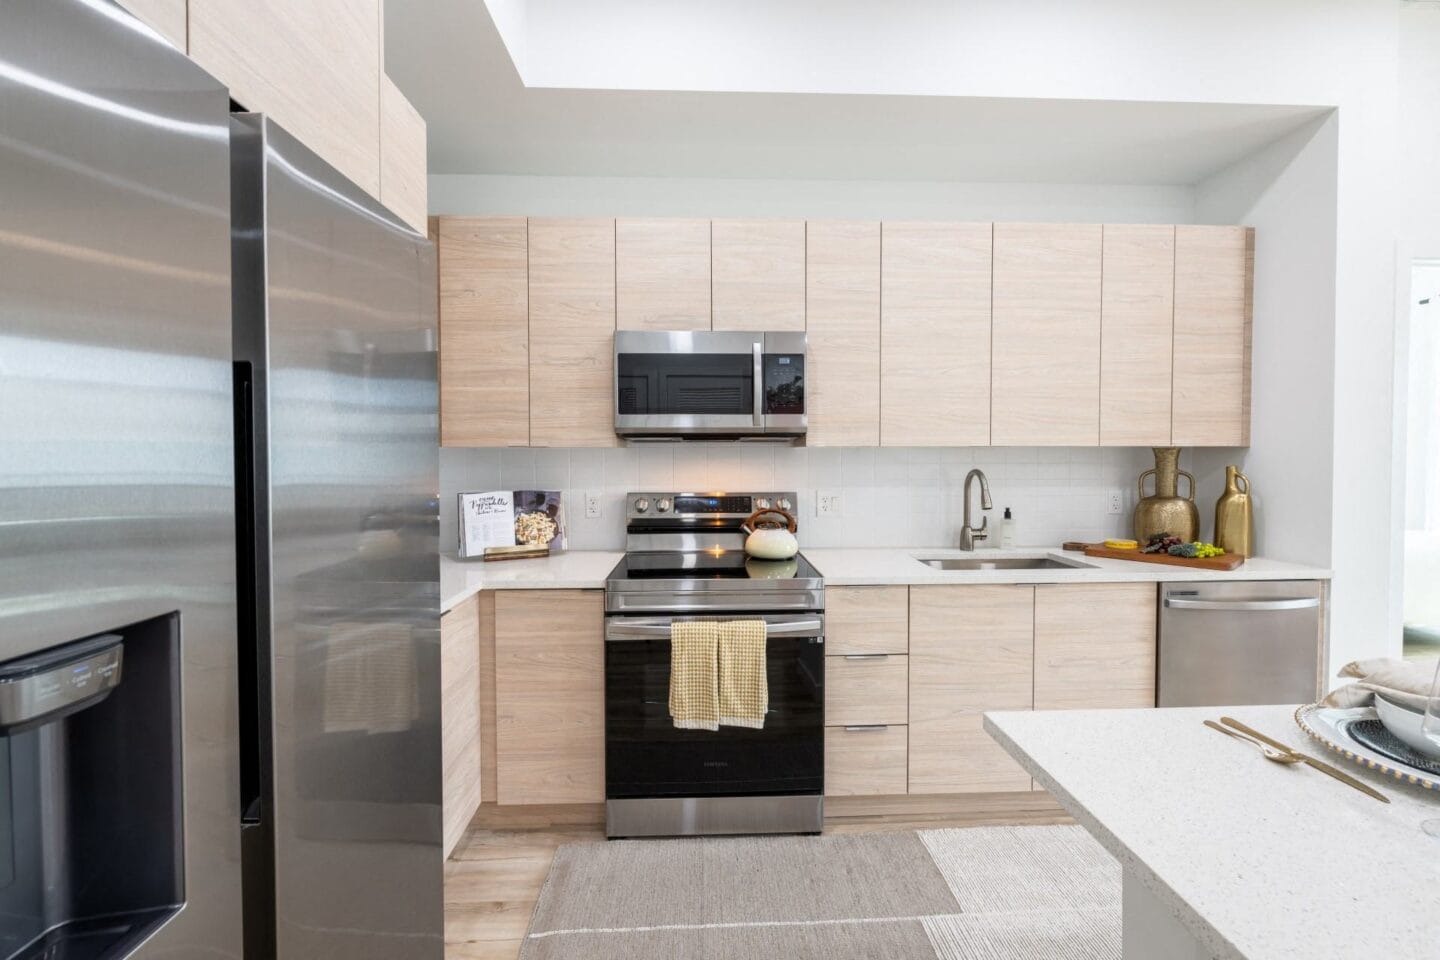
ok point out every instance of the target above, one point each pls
(549, 696)
(313, 67)
(971, 650)
(484, 331)
(1136, 324)
(1046, 335)
(403, 180)
(662, 274)
(572, 333)
(935, 334)
(1094, 645)
(842, 282)
(1214, 269)
(460, 718)
(757, 272)
(165, 17)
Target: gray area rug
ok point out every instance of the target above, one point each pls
(982, 893)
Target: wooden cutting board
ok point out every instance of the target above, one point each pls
(1229, 561)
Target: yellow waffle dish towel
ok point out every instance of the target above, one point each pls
(694, 703)
(744, 689)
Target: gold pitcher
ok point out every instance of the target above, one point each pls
(1234, 520)
(1165, 511)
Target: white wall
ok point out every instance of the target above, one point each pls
(890, 497)
(479, 195)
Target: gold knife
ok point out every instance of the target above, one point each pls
(1325, 768)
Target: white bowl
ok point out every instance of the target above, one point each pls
(1406, 724)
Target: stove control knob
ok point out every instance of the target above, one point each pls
(641, 504)
(762, 503)
(663, 504)
(783, 503)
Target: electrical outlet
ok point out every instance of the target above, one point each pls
(827, 503)
(1116, 502)
(592, 505)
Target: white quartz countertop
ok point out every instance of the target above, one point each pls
(571, 570)
(842, 568)
(587, 569)
(1255, 859)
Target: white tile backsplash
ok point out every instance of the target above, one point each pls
(890, 496)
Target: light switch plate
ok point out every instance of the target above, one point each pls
(827, 503)
(592, 505)
(1116, 502)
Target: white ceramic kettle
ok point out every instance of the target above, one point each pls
(768, 538)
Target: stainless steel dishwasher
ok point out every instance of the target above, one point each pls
(1239, 642)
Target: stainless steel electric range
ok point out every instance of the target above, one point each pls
(685, 560)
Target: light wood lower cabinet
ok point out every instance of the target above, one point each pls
(1094, 645)
(971, 650)
(460, 749)
(867, 620)
(866, 689)
(549, 696)
(572, 333)
(865, 761)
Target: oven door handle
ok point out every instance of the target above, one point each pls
(660, 629)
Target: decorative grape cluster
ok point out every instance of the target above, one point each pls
(1166, 543)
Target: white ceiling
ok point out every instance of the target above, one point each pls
(449, 58)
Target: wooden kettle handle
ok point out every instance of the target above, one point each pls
(749, 525)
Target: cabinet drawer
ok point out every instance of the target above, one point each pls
(870, 688)
(866, 762)
(867, 620)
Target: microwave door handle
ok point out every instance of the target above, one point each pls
(758, 348)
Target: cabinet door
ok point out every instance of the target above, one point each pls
(1046, 335)
(572, 333)
(165, 17)
(662, 274)
(460, 718)
(842, 323)
(403, 183)
(866, 689)
(757, 270)
(971, 650)
(313, 67)
(935, 334)
(484, 332)
(1094, 645)
(1137, 312)
(867, 620)
(549, 696)
(1214, 269)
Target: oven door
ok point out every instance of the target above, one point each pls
(646, 756)
(709, 383)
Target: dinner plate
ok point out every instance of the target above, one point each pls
(1329, 726)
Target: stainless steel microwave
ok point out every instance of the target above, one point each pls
(716, 384)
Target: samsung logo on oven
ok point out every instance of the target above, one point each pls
(716, 763)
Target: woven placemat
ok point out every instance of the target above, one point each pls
(1372, 733)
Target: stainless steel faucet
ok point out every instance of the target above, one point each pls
(968, 535)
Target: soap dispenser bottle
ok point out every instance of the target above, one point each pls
(1007, 531)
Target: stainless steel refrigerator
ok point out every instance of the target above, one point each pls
(219, 682)
(337, 459)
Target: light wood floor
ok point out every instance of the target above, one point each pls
(494, 876)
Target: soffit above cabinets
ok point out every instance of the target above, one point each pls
(450, 58)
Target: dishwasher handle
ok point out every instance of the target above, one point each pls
(1296, 603)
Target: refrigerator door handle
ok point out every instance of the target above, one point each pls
(1297, 603)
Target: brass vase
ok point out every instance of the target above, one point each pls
(1165, 511)
(1234, 520)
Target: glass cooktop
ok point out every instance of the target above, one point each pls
(710, 565)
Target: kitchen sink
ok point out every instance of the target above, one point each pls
(1002, 563)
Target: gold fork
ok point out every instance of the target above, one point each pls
(1269, 752)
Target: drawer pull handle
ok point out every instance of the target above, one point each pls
(867, 656)
(866, 727)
